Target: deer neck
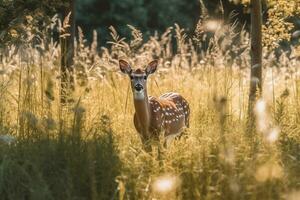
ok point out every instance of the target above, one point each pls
(142, 110)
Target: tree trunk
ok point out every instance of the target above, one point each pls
(256, 57)
(67, 53)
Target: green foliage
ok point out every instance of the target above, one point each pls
(278, 25)
(278, 28)
(148, 16)
(21, 19)
(61, 167)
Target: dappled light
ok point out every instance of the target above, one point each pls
(146, 107)
(212, 25)
(165, 184)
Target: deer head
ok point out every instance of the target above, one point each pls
(138, 77)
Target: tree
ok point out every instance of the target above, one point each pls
(269, 35)
(256, 55)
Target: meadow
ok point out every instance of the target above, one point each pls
(89, 148)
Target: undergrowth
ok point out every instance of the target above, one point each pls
(89, 148)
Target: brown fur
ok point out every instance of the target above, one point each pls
(169, 113)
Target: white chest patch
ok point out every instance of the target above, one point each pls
(139, 95)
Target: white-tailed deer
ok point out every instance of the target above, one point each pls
(168, 114)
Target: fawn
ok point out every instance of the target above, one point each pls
(168, 113)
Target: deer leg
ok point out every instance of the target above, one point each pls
(146, 144)
(183, 134)
(171, 137)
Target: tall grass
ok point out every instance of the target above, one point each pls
(89, 149)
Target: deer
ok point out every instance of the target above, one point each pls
(168, 114)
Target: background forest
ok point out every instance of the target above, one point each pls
(91, 15)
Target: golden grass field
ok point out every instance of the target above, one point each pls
(89, 148)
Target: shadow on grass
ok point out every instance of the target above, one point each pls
(62, 167)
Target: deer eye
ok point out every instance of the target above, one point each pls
(131, 77)
(145, 77)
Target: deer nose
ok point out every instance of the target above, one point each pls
(138, 87)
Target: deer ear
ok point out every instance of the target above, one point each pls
(151, 68)
(125, 67)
